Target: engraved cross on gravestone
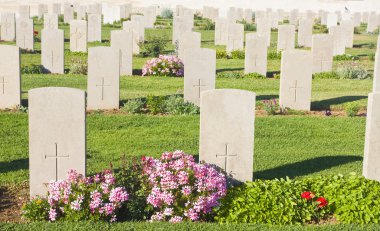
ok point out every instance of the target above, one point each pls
(103, 85)
(56, 156)
(226, 156)
(295, 88)
(199, 85)
(3, 84)
(76, 35)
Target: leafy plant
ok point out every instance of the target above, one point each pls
(175, 105)
(352, 109)
(254, 76)
(271, 107)
(155, 104)
(238, 54)
(36, 210)
(32, 69)
(326, 75)
(274, 55)
(167, 13)
(221, 54)
(230, 74)
(206, 24)
(154, 46)
(133, 106)
(345, 57)
(164, 65)
(78, 67)
(352, 70)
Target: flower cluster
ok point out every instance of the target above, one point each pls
(321, 202)
(271, 106)
(164, 65)
(181, 189)
(85, 198)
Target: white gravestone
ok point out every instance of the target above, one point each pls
(42, 9)
(78, 36)
(293, 17)
(264, 29)
(295, 82)
(221, 31)
(68, 14)
(376, 73)
(348, 31)
(371, 161)
(8, 28)
(103, 78)
(57, 136)
(51, 21)
(372, 22)
(323, 53)
(339, 41)
(139, 26)
(54, 8)
(188, 40)
(94, 31)
(235, 37)
(24, 11)
(52, 51)
(180, 25)
(122, 40)
(305, 32)
(255, 54)
(10, 78)
(81, 12)
(200, 73)
(286, 37)
(227, 123)
(132, 28)
(332, 20)
(24, 33)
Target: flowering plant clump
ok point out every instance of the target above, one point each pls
(181, 189)
(316, 204)
(84, 198)
(164, 65)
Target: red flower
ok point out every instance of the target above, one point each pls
(307, 195)
(322, 202)
(35, 33)
(143, 158)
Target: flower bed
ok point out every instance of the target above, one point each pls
(164, 65)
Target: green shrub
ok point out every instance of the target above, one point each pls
(78, 67)
(326, 75)
(230, 74)
(221, 54)
(249, 27)
(32, 69)
(175, 105)
(167, 13)
(36, 210)
(254, 76)
(270, 106)
(320, 28)
(274, 55)
(352, 109)
(352, 70)
(206, 25)
(154, 46)
(345, 57)
(277, 76)
(155, 104)
(371, 57)
(357, 30)
(238, 54)
(133, 106)
(352, 199)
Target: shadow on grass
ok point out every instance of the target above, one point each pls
(305, 167)
(229, 69)
(266, 97)
(14, 165)
(270, 74)
(326, 104)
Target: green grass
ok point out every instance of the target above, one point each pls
(183, 226)
(284, 146)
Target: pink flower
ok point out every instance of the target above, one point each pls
(118, 195)
(175, 219)
(52, 215)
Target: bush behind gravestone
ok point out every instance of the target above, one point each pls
(32, 69)
(175, 105)
(167, 13)
(133, 106)
(154, 46)
(352, 70)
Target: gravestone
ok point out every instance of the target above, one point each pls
(123, 41)
(52, 51)
(138, 26)
(324, 15)
(295, 82)
(286, 37)
(235, 37)
(10, 78)
(305, 32)
(51, 21)
(181, 25)
(57, 135)
(365, 17)
(133, 28)
(94, 31)
(348, 32)
(255, 54)
(221, 31)
(41, 10)
(248, 15)
(227, 131)
(373, 24)
(356, 18)
(376, 73)
(371, 161)
(81, 13)
(54, 8)
(24, 11)
(323, 53)
(337, 34)
(103, 78)
(24, 33)
(8, 30)
(200, 73)
(332, 20)
(188, 40)
(68, 13)
(274, 19)
(78, 36)
(293, 17)
(264, 29)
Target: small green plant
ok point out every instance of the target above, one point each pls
(133, 106)
(206, 24)
(167, 13)
(271, 107)
(345, 57)
(274, 55)
(351, 109)
(254, 76)
(319, 28)
(155, 104)
(277, 76)
(78, 67)
(175, 105)
(154, 46)
(326, 75)
(238, 54)
(32, 69)
(352, 70)
(371, 57)
(249, 27)
(221, 54)
(36, 210)
(230, 74)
